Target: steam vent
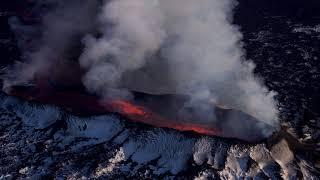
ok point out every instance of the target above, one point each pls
(160, 89)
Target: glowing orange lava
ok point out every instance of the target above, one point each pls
(196, 128)
(84, 104)
(142, 114)
(128, 108)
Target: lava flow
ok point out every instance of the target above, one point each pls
(156, 110)
(85, 104)
(142, 114)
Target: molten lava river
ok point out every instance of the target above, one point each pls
(154, 110)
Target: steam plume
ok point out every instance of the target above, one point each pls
(198, 46)
(158, 46)
(131, 31)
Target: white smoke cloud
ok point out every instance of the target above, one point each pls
(157, 46)
(131, 31)
(197, 42)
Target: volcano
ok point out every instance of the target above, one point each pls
(165, 110)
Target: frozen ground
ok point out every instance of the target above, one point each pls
(39, 141)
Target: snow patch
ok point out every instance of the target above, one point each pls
(36, 116)
(307, 30)
(113, 163)
(101, 127)
(172, 150)
(203, 151)
(122, 137)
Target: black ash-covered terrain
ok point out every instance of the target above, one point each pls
(282, 38)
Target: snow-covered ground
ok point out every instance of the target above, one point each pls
(40, 141)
